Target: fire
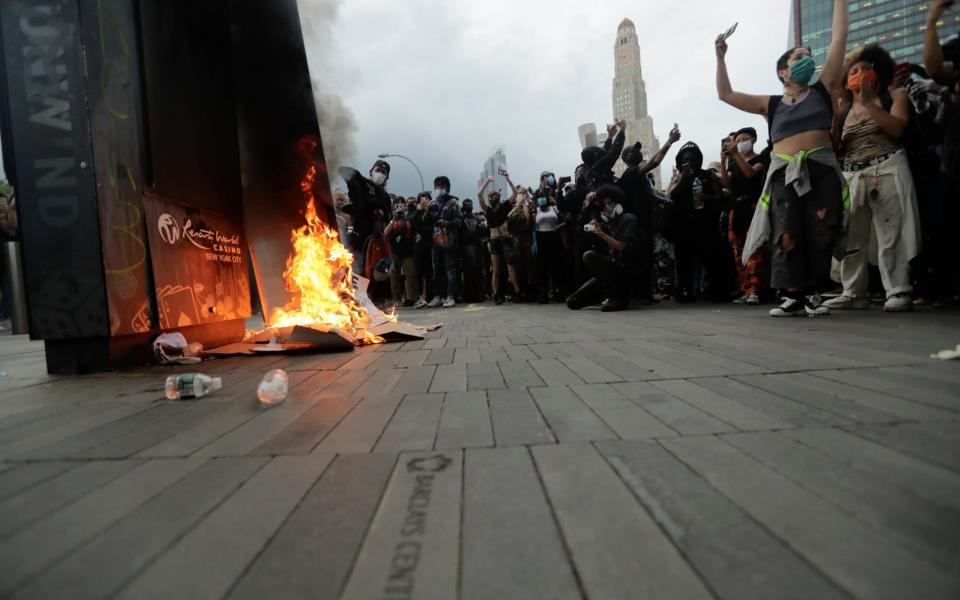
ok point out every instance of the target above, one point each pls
(318, 275)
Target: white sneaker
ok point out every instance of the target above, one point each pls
(741, 300)
(437, 301)
(753, 300)
(898, 303)
(847, 302)
(421, 303)
(450, 303)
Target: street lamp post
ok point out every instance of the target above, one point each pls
(423, 188)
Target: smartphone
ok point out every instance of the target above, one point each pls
(730, 31)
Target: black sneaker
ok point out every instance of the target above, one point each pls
(614, 304)
(815, 307)
(789, 307)
(498, 299)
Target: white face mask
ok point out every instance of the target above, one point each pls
(610, 214)
(744, 147)
(437, 192)
(379, 177)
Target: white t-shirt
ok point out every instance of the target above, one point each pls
(548, 220)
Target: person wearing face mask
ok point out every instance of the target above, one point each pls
(422, 220)
(698, 200)
(610, 266)
(549, 250)
(883, 200)
(446, 244)
(503, 251)
(370, 205)
(804, 205)
(742, 176)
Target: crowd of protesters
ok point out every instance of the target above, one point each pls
(860, 169)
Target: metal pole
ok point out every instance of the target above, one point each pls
(18, 300)
(423, 187)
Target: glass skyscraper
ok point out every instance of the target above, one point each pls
(897, 25)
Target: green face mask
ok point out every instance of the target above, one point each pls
(801, 72)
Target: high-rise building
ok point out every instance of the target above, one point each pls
(491, 167)
(630, 94)
(897, 25)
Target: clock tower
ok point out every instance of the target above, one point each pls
(630, 94)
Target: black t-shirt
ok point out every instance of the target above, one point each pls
(497, 214)
(638, 196)
(743, 186)
(470, 230)
(624, 230)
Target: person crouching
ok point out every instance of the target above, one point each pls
(610, 270)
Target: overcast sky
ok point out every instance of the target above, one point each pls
(446, 82)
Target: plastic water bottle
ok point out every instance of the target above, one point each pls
(698, 202)
(190, 385)
(273, 388)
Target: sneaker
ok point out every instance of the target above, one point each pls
(614, 304)
(436, 302)
(407, 303)
(846, 302)
(498, 299)
(753, 300)
(815, 307)
(449, 303)
(518, 298)
(420, 304)
(789, 307)
(898, 303)
(741, 300)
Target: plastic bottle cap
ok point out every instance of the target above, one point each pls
(216, 383)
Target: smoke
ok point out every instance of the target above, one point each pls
(337, 122)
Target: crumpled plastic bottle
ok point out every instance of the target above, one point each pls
(273, 387)
(190, 385)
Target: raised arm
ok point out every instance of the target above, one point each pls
(513, 188)
(832, 74)
(932, 52)
(654, 162)
(750, 103)
(481, 195)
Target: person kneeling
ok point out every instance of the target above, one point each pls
(610, 271)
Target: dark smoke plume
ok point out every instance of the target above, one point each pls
(337, 123)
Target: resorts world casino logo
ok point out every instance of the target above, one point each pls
(205, 239)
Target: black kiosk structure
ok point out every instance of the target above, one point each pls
(157, 150)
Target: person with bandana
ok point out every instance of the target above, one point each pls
(446, 244)
(698, 201)
(609, 270)
(503, 250)
(742, 175)
(805, 202)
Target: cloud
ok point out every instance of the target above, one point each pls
(446, 82)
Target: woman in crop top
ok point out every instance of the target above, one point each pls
(503, 251)
(882, 197)
(803, 205)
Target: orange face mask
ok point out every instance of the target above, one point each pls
(863, 78)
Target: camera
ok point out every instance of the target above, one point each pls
(590, 228)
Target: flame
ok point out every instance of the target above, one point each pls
(318, 276)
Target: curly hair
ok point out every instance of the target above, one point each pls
(883, 64)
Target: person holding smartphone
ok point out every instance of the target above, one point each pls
(610, 267)
(805, 202)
